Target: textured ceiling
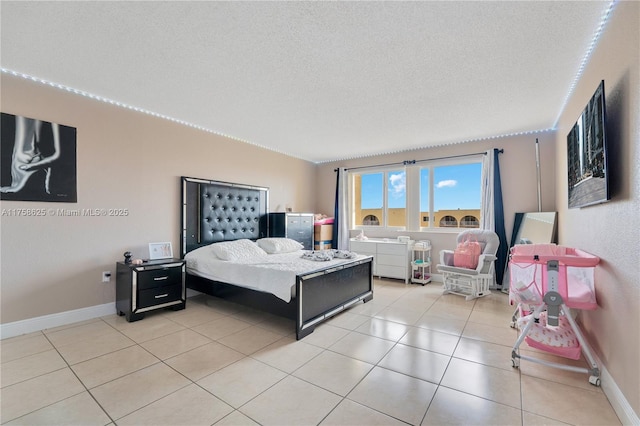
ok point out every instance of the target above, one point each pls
(316, 80)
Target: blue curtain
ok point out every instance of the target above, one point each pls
(503, 250)
(336, 212)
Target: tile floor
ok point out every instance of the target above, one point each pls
(410, 356)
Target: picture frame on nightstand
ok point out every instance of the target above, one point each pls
(160, 251)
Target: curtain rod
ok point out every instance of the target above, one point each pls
(409, 162)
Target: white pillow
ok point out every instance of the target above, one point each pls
(237, 250)
(279, 245)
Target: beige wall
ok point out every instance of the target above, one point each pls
(126, 160)
(517, 166)
(611, 230)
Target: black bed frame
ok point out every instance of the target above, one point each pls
(214, 211)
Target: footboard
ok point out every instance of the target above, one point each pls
(324, 293)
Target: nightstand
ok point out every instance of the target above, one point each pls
(152, 285)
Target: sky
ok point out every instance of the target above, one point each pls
(457, 187)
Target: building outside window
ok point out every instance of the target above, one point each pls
(371, 220)
(448, 222)
(469, 222)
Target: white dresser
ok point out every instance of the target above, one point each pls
(391, 258)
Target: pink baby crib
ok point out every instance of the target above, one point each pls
(546, 282)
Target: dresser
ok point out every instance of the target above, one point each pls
(297, 226)
(391, 258)
(152, 285)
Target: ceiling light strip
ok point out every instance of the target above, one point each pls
(198, 127)
(131, 107)
(506, 135)
(585, 60)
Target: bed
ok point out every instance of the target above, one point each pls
(215, 212)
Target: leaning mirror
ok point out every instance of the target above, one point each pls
(534, 228)
(531, 228)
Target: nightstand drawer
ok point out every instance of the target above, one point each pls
(159, 295)
(162, 276)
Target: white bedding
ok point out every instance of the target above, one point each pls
(270, 273)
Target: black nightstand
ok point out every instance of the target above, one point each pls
(152, 285)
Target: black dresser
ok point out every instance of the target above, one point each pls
(152, 285)
(297, 226)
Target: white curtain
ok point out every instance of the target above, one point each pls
(488, 197)
(342, 200)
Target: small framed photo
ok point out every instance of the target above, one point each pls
(160, 251)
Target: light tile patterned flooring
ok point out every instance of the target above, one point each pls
(410, 356)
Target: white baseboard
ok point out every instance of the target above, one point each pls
(619, 403)
(30, 325)
(616, 398)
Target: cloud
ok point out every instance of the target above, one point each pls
(447, 183)
(398, 184)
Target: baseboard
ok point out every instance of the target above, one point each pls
(616, 398)
(619, 403)
(30, 325)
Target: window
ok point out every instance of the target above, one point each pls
(421, 196)
(380, 199)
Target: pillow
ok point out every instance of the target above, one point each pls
(237, 250)
(279, 245)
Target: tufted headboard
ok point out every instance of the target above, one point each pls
(214, 211)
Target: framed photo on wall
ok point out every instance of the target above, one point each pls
(160, 251)
(37, 160)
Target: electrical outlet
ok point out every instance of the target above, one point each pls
(106, 276)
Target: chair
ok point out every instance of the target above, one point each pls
(472, 283)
